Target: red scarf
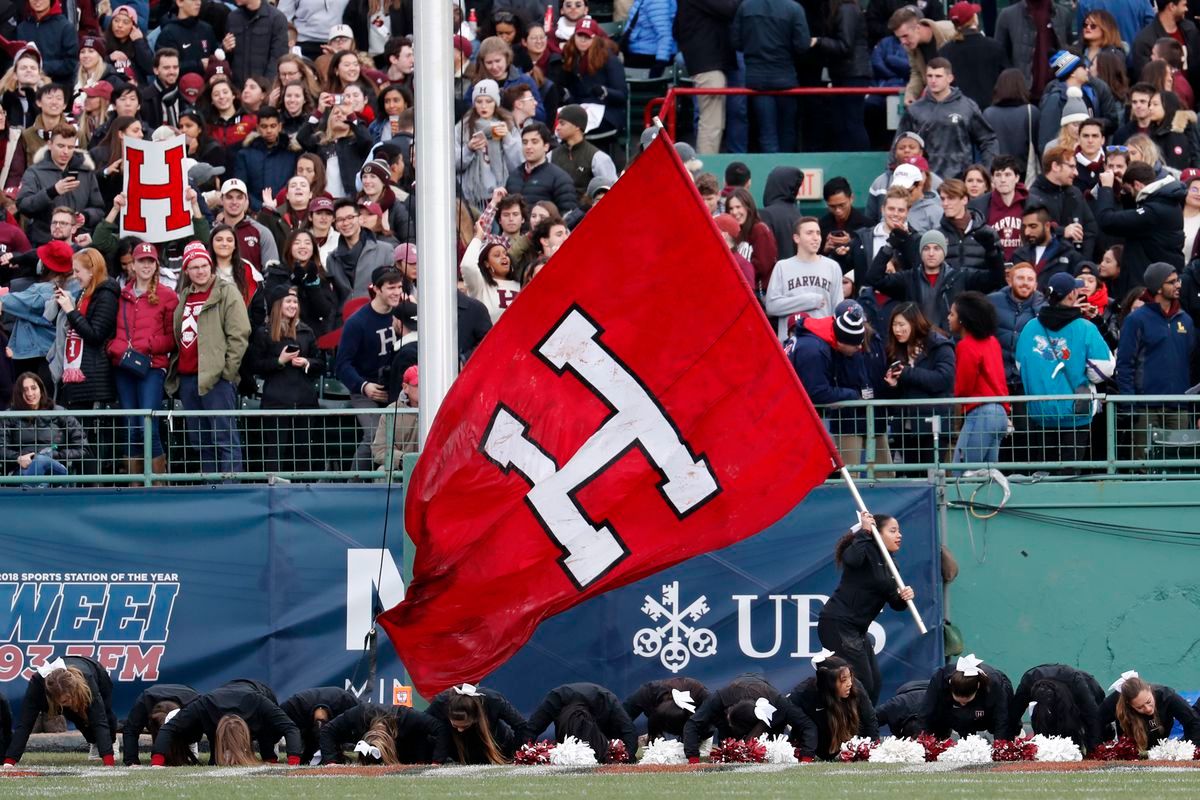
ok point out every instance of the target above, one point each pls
(1100, 298)
(73, 352)
(1042, 13)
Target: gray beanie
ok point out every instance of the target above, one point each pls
(488, 88)
(1156, 275)
(933, 237)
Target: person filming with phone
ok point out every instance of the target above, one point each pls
(63, 176)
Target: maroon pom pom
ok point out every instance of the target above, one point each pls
(617, 752)
(934, 746)
(1120, 749)
(860, 753)
(739, 751)
(533, 753)
(1020, 749)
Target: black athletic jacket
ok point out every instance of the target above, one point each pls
(987, 711)
(5, 724)
(903, 709)
(100, 720)
(1084, 688)
(808, 699)
(605, 707)
(505, 722)
(300, 707)
(1169, 708)
(712, 714)
(266, 721)
(416, 732)
(139, 716)
(652, 694)
(865, 587)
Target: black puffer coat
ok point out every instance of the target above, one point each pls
(95, 328)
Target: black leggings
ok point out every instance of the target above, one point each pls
(852, 644)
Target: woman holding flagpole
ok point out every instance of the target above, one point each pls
(80, 690)
(667, 704)
(478, 726)
(867, 584)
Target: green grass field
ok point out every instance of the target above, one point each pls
(70, 776)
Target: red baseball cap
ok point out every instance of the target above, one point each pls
(100, 89)
(919, 162)
(320, 204)
(962, 12)
(727, 224)
(145, 250)
(588, 27)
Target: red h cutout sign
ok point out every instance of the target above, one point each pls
(154, 172)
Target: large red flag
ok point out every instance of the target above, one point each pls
(632, 409)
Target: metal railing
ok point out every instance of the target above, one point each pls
(1053, 436)
(668, 104)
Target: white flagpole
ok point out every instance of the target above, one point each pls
(887, 557)
(437, 301)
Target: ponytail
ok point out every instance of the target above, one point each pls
(1129, 719)
(232, 747)
(839, 550)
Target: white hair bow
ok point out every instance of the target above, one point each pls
(821, 656)
(368, 750)
(467, 689)
(170, 715)
(684, 700)
(1119, 682)
(764, 710)
(45, 669)
(968, 665)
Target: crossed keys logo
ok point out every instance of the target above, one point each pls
(667, 640)
(591, 548)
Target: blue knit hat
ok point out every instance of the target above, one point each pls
(1064, 62)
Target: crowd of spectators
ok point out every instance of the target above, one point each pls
(1054, 147)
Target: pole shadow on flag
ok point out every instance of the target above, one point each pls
(608, 427)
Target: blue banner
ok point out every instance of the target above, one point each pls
(201, 585)
(751, 607)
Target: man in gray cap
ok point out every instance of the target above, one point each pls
(1154, 355)
(578, 157)
(932, 284)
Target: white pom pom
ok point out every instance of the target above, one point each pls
(974, 749)
(219, 55)
(664, 752)
(1074, 91)
(573, 753)
(898, 751)
(779, 749)
(1056, 748)
(1172, 750)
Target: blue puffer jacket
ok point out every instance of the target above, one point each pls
(651, 32)
(1011, 316)
(56, 39)
(262, 166)
(1154, 354)
(32, 333)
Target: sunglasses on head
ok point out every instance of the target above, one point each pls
(1116, 148)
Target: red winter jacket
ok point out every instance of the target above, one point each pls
(153, 326)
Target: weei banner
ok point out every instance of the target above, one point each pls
(156, 207)
(202, 585)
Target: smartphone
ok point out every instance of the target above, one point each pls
(71, 175)
(291, 349)
(337, 99)
(895, 365)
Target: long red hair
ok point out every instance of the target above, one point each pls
(602, 49)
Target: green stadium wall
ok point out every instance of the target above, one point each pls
(858, 168)
(1104, 576)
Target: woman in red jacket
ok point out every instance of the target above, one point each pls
(755, 242)
(979, 372)
(145, 328)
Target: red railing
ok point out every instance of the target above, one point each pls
(667, 103)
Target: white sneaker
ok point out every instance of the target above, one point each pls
(93, 753)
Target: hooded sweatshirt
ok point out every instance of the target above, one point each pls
(779, 210)
(1061, 353)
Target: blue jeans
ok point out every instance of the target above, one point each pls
(216, 438)
(737, 125)
(776, 119)
(144, 394)
(982, 430)
(44, 465)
